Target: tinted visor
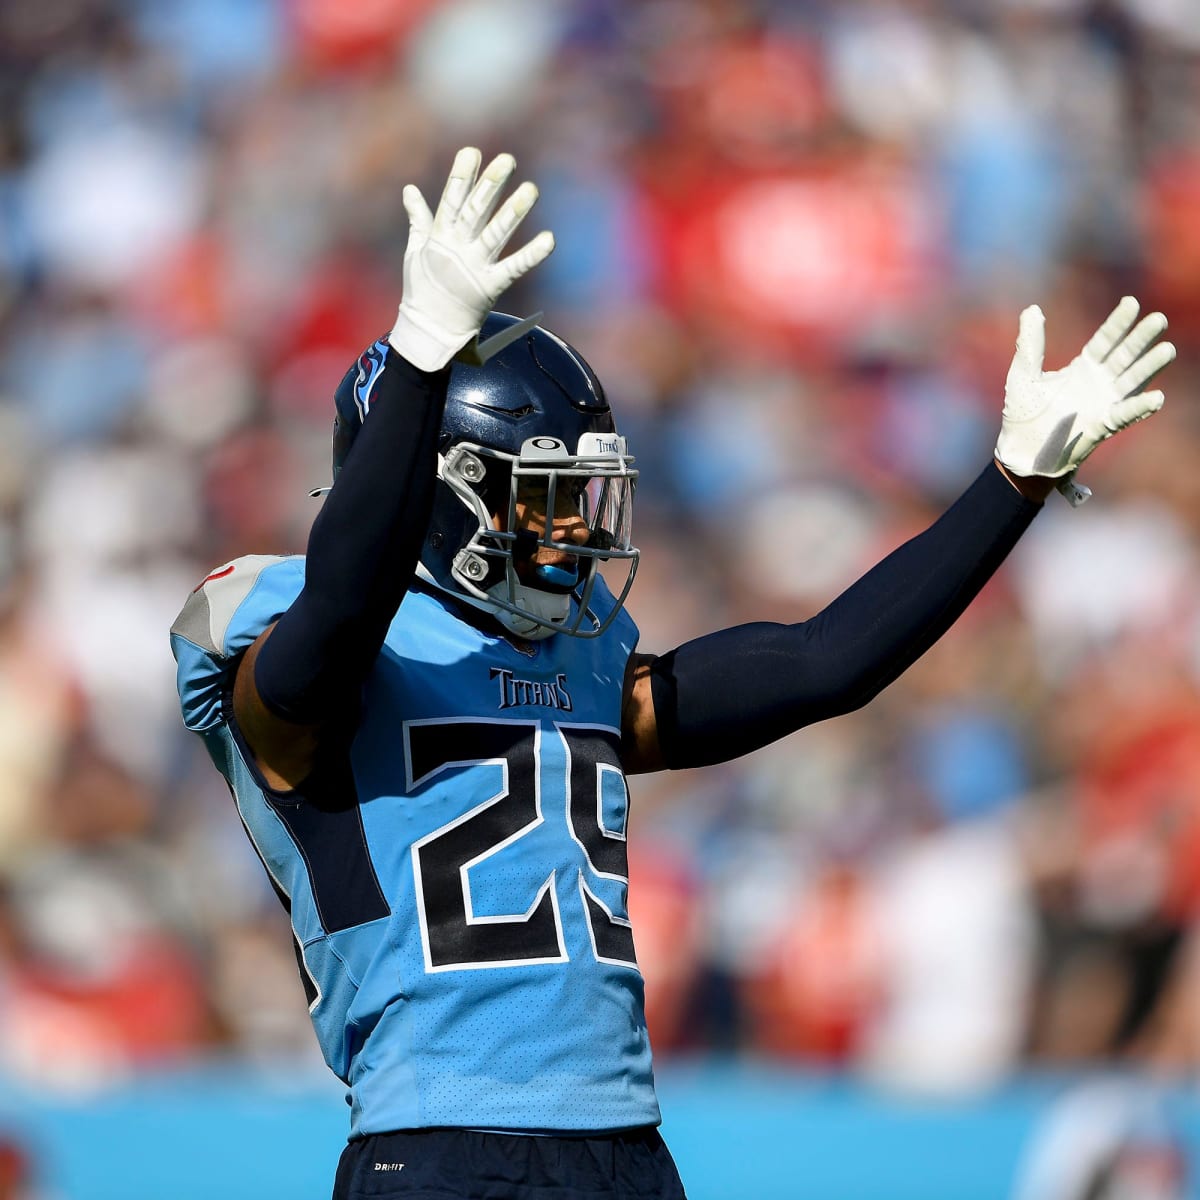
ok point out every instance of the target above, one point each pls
(606, 505)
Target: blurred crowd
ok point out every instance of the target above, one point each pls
(793, 239)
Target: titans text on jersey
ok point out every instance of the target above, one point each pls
(515, 691)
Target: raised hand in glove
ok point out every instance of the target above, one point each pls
(1053, 420)
(453, 273)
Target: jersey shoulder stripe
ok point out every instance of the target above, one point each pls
(220, 619)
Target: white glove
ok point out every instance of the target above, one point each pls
(1053, 420)
(451, 277)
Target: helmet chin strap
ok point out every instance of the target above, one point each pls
(549, 606)
(554, 607)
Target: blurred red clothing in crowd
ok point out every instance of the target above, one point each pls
(1139, 802)
(1170, 199)
(793, 260)
(14, 1169)
(821, 984)
(148, 1009)
(665, 911)
(331, 34)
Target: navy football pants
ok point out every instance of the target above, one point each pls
(461, 1164)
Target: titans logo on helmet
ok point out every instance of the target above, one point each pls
(370, 367)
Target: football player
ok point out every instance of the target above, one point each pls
(427, 720)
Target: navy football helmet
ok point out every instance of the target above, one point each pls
(525, 416)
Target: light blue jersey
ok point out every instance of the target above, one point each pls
(459, 891)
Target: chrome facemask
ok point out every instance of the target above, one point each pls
(600, 480)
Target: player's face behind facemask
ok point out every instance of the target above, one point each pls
(527, 431)
(548, 522)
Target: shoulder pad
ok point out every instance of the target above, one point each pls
(220, 619)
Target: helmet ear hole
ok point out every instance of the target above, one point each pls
(488, 479)
(494, 487)
(451, 526)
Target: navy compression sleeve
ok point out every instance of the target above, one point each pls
(362, 552)
(724, 695)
